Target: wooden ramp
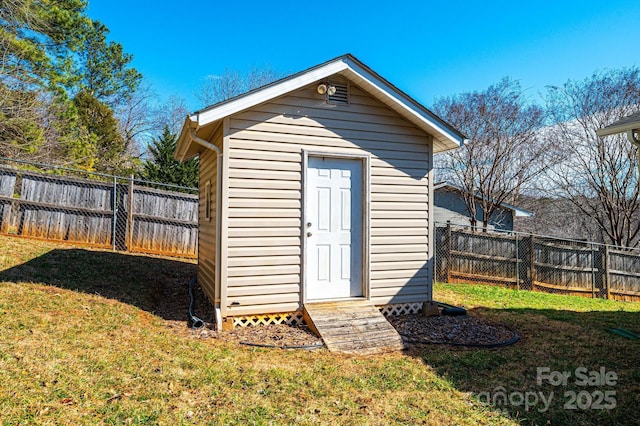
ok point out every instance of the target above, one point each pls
(353, 327)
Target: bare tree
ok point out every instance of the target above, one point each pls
(218, 88)
(556, 217)
(598, 176)
(136, 117)
(503, 154)
(172, 113)
(143, 117)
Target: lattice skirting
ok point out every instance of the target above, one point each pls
(401, 309)
(295, 318)
(291, 318)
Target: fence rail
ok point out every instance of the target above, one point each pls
(530, 262)
(115, 212)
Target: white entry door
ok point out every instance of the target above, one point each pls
(333, 228)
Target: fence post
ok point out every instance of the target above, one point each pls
(115, 213)
(593, 272)
(5, 216)
(130, 216)
(532, 261)
(448, 238)
(605, 277)
(517, 262)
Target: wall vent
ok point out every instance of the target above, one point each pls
(341, 97)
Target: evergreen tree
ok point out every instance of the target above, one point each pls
(163, 167)
(106, 145)
(104, 67)
(53, 56)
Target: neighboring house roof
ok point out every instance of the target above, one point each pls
(517, 212)
(445, 136)
(629, 125)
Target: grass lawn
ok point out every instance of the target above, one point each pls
(86, 337)
(561, 333)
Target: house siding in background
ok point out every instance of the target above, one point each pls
(207, 217)
(448, 206)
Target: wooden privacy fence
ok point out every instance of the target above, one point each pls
(537, 263)
(122, 214)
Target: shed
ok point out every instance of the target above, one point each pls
(317, 187)
(449, 206)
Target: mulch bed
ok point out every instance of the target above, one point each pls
(415, 329)
(464, 330)
(281, 336)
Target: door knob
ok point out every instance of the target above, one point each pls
(309, 234)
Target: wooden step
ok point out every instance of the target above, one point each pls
(353, 327)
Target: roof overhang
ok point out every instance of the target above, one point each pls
(445, 137)
(629, 125)
(517, 211)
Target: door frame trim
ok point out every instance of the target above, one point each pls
(365, 160)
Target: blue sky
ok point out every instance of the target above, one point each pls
(427, 49)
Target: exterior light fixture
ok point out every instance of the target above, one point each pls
(324, 88)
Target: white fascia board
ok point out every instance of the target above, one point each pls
(350, 68)
(518, 212)
(622, 128)
(245, 102)
(407, 105)
(521, 213)
(183, 143)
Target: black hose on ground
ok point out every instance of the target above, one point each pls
(194, 321)
(450, 309)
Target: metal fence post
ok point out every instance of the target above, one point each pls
(532, 261)
(517, 263)
(605, 260)
(593, 273)
(448, 236)
(115, 213)
(130, 216)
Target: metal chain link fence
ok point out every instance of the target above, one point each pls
(125, 214)
(532, 262)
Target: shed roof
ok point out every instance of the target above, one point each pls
(445, 136)
(517, 211)
(629, 123)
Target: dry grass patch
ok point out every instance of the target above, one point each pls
(83, 359)
(82, 342)
(93, 337)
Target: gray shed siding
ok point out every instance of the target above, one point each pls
(207, 226)
(448, 205)
(263, 212)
